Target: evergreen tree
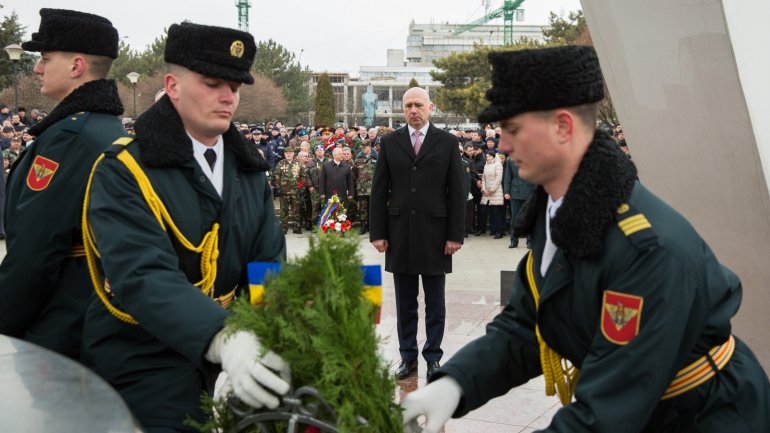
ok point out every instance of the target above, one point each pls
(280, 65)
(466, 76)
(325, 107)
(127, 61)
(413, 83)
(12, 32)
(565, 31)
(146, 63)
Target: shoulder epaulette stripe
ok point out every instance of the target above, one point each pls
(633, 224)
(123, 140)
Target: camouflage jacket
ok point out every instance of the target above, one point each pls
(363, 172)
(289, 177)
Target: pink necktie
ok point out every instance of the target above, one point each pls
(417, 142)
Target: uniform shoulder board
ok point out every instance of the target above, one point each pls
(635, 227)
(75, 122)
(118, 146)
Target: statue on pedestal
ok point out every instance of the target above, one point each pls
(370, 106)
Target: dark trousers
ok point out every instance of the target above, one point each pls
(2, 201)
(469, 211)
(516, 205)
(406, 315)
(477, 210)
(496, 214)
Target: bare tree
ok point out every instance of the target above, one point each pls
(29, 94)
(261, 101)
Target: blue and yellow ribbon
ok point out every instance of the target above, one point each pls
(258, 272)
(327, 211)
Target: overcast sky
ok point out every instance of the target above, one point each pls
(331, 35)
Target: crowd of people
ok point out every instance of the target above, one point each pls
(619, 303)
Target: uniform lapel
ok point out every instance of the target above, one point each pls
(558, 276)
(231, 189)
(201, 183)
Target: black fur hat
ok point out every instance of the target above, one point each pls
(216, 52)
(542, 79)
(76, 32)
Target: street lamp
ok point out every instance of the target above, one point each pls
(133, 77)
(14, 52)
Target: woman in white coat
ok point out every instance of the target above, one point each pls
(491, 205)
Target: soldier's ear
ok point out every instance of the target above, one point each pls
(171, 83)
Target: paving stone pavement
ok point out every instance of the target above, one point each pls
(472, 298)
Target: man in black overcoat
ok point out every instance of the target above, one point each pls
(417, 217)
(336, 177)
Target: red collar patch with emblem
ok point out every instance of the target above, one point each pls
(41, 173)
(621, 315)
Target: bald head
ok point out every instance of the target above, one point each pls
(417, 107)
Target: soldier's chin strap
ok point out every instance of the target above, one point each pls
(208, 248)
(558, 372)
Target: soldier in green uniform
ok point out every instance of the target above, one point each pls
(11, 154)
(44, 282)
(363, 172)
(312, 178)
(303, 156)
(289, 181)
(617, 283)
(156, 333)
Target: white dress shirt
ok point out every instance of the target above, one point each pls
(423, 130)
(550, 249)
(215, 176)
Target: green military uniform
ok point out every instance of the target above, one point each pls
(44, 281)
(632, 296)
(363, 173)
(306, 199)
(11, 156)
(313, 178)
(288, 180)
(158, 366)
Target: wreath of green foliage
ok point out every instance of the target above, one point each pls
(315, 317)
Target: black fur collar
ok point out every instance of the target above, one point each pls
(603, 181)
(98, 96)
(164, 142)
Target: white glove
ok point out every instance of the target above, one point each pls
(250, 373)
(437, 401)
(223, 386)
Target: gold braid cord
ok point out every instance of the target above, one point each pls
(208, 248)
(560, 375)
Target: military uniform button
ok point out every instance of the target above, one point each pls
(414, 212)
(203, 178)
(414, 189)
(414, 168)
(557, 268)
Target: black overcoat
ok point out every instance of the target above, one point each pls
(418, 202)
(335, 179)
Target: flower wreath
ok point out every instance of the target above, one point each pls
(334, 217)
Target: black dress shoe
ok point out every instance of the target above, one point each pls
(513, 243)
(499, 236)
(477, 233)
(432, 367)
(297, 231)
(406, 369)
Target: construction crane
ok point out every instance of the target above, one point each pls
(506, 11)
(243, 14)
